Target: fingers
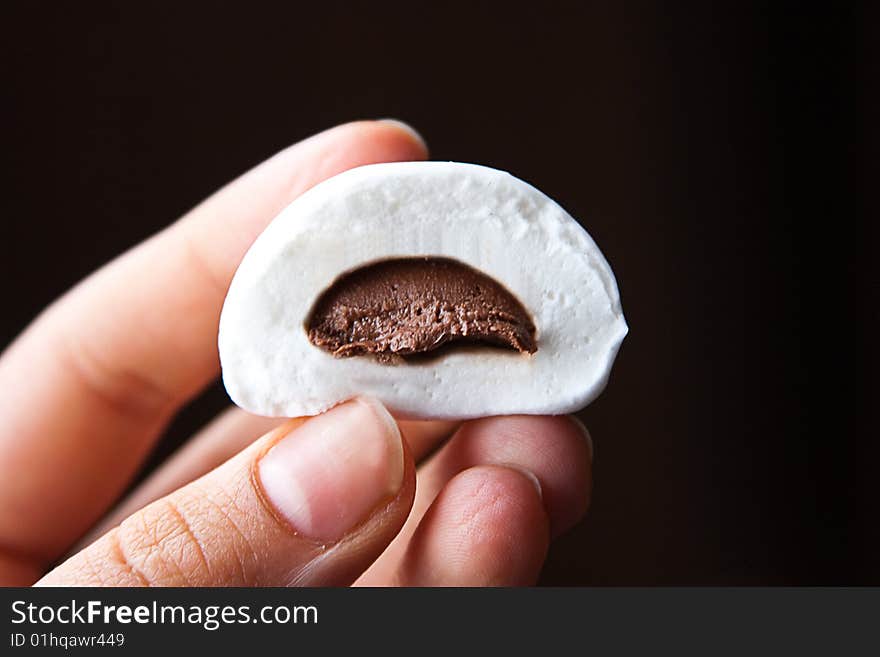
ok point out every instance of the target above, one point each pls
(91, 383)
(228, 434)
(309, 504)
(423, 436)
(487, 527)
(555, 450)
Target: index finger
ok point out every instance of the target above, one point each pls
(92, 381)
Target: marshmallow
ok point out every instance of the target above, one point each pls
(483, 218)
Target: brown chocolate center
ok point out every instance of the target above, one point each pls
(409, 306)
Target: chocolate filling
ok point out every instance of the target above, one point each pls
(409, 306)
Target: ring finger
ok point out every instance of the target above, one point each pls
(556, 451)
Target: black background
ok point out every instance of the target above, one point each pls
(715, 153)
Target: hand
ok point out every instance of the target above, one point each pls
(330, 500)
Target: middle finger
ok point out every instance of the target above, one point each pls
(556, 450)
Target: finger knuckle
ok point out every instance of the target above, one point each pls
(201, 538)
(163, 546)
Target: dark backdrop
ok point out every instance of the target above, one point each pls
(712, 151)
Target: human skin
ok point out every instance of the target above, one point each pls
(89, 387)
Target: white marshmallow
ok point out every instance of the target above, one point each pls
(483, 217)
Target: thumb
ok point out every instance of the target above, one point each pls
(311, 503)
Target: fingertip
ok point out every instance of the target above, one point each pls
(423, 436)
(342, 147)
(412, 135)
(552, 447)
(487, 527)
(588, 437)
(382, 140)
(331, 473)
(529, 475)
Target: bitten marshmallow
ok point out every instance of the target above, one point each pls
(445, 290)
